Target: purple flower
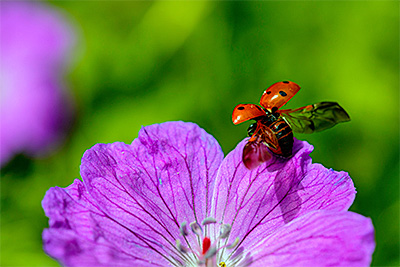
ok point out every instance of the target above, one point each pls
(34, 48)
(171, 198)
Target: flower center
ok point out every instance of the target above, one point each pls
(201, 250)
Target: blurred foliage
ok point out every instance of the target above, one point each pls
(140, 63)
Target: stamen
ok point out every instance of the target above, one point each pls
(196, 228)
(208, 220)
(233, 244)
(183, 229)
(225, 231)
(181, 247)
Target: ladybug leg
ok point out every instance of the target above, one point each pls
(256, 133)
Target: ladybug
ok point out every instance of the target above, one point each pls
(273, 129)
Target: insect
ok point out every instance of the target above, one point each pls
(273, 129)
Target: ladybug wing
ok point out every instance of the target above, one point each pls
(278, 94)
(315, 118)
(245, 112)
(256, 152)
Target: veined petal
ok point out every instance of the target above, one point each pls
(257, 202)
(81, 234)
(151, 186)
(319, 238)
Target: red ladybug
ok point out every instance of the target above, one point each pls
(273, 130)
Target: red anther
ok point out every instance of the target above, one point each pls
(206, 245)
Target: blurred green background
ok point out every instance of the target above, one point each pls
(139, 63)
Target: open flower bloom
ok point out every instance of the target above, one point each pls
(171, 198)
(35, 43)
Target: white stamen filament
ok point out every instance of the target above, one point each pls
(205, 251)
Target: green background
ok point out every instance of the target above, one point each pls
(139, 63)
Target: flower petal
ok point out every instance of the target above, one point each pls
(36, 47)
(80, 234)
(163, 179)
(319, 238)
(257, 202)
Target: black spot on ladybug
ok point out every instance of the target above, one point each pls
(240, 108)
(268, 92)
(285, 82)
(282, 93)
(274, 109)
